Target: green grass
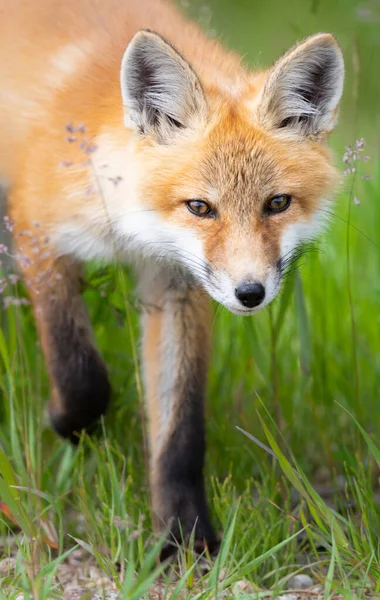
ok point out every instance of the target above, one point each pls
(303, 377)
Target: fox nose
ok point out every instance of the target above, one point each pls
(250, 294)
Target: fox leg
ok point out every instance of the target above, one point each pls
(176, 334)
(79, 381)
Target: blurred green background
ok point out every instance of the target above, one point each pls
(261, 31)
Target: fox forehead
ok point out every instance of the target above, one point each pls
(237, 166)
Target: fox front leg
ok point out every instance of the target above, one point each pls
(78, 377)
(176, 332)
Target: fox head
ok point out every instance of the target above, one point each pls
(235, 182)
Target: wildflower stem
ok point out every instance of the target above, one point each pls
(121, 275)
(274, 369)
(350, 297)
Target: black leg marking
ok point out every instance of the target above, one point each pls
(80, 377)
(181, 482)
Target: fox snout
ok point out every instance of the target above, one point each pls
(250, 294)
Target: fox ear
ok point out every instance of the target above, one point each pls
(161, 93)
(303, 88)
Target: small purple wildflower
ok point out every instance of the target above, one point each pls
(89, 191)
(115, 180)
(14, 278)
(13, 301)
(8, 224)
(359, 145)
(84, 143)
(352, 154)
(91, 149)
(356, 201)
(3, 249)
(70, 128)
(24, 261)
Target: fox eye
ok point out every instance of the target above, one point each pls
(278, 204)
(200, 208)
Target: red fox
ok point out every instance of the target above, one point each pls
(127, 134)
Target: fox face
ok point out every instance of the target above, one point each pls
(235, 183)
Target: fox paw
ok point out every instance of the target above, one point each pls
(181, 535)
